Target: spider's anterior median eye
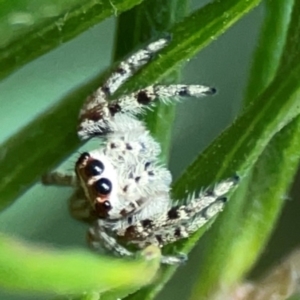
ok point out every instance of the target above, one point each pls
(103, 186)
(94, 168)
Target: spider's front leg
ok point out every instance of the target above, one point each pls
(180, 221)
(97, 114)
(101, 119)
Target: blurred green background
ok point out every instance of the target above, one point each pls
(41, 214)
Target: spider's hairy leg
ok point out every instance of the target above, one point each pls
(60, 178)
(99, 239)
(130, 65)
(180, 221)
(171, 232)
(96, 109)
(201, 206)
(134, 103)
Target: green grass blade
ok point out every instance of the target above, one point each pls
(292, 46)
(270, 46)
(272, 176)
(28, 268)
(243, 230)
(189, 36)
(31, 28)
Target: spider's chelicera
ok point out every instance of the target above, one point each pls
(122, 189)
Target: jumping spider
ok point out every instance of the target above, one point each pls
(121, 187)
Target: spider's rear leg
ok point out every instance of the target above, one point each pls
(130, 65)
(171, 232)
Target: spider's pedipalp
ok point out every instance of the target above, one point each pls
(98, 239)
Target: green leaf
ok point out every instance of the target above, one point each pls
(188, 37)
(28, 268)
(31, 28)
(241, 232)
(270, 47)
(244, 228)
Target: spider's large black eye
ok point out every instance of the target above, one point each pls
(103, 186)
(94, 168)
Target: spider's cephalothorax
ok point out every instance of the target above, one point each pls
(122, 189)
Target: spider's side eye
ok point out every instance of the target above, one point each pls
(106, 205)
(94, 168)
(102, 209)
(103, 186)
